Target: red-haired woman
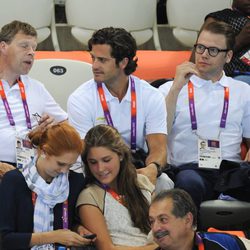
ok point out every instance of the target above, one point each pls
(37, 208)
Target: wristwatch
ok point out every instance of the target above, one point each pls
(158, 166)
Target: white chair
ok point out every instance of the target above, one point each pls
(136, 16)
(39, 13)
(224, 215)
(61, 76)
(187, 16)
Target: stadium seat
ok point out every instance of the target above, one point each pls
(136, 16)
(61, 76)
(39, 13)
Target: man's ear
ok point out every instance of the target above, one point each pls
(3, 46)
(124, 62)
(189, 220)
(229, 56)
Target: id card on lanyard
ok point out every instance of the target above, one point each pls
(133, 111)
(209, 150)
(24, 150)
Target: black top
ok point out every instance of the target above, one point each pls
(16, 209)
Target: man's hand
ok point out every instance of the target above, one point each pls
(150, 171)
(45, 121)
(4, 168)
(183, 73)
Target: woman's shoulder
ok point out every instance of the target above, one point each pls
(91, 189)
(145, 183)
(92, 195)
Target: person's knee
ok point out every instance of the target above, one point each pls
(189, 179)
(191, 182)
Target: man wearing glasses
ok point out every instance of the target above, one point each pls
(205, 106)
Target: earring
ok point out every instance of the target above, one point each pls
(121, 159)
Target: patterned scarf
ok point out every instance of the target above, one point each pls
(48, 195)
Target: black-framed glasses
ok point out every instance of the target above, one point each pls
(212, 51)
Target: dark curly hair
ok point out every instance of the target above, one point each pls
(122, 44)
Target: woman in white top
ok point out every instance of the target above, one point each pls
(116, 201)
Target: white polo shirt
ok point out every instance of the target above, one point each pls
(85, 110)
(39, 101)
(209, 100)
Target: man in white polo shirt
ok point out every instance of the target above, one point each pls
(117, 98)
(25, 103)
(208, 114)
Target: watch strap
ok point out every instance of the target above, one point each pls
(158, 167)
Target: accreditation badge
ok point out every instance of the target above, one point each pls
(209, 152)
(24, 151)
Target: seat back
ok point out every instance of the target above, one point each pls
(39, 13)
(136, 16)
(61, 76)
(187, 16)
(224, 215)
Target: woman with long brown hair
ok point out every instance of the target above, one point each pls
(115, 203)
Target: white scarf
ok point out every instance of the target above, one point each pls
(48, 195)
